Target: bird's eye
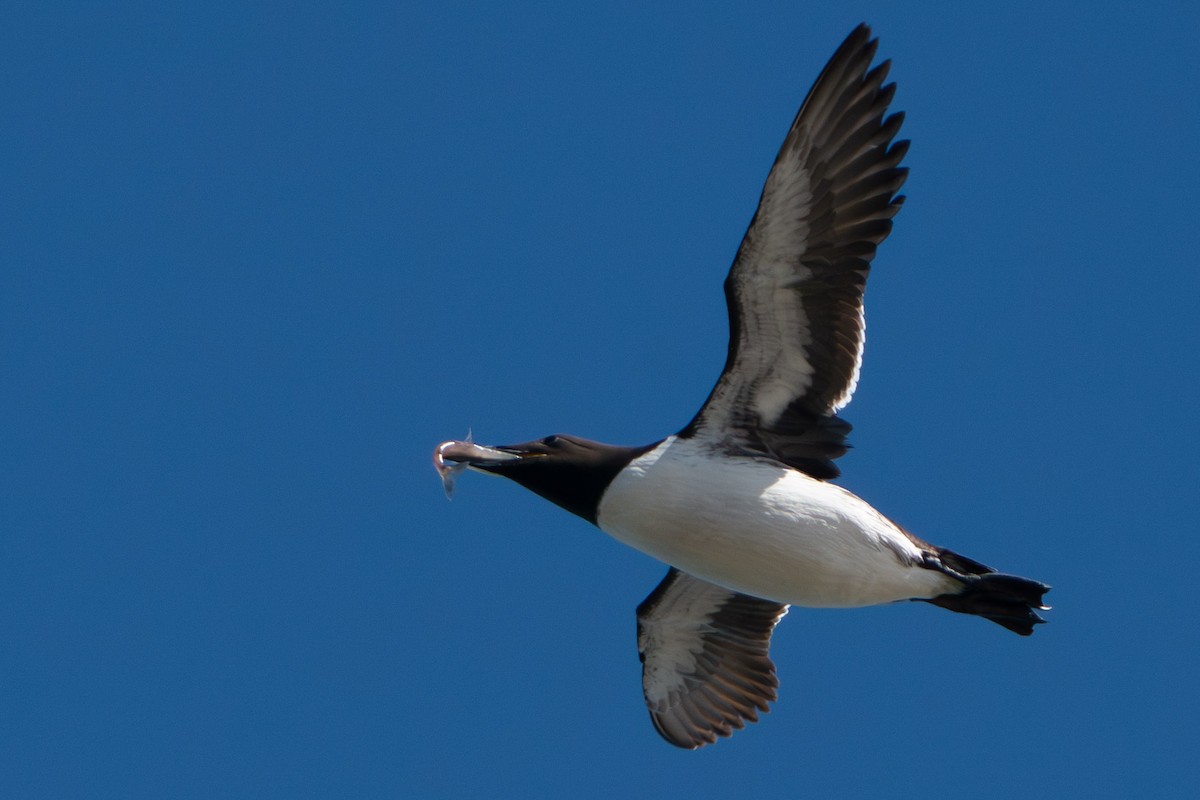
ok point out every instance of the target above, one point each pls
(550, 441)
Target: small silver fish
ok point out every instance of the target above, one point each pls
(462, 454)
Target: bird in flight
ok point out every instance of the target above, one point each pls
(739, 502)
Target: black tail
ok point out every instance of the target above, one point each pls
(1004, 599)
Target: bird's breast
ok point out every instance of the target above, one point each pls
(763, 529)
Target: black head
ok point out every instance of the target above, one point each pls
(566, 470)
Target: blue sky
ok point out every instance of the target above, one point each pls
(258, 263)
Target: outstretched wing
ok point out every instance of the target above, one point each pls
(706, 670)
(795, 291)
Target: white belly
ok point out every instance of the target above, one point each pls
(764, 530)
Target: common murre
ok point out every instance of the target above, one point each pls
(738, 502)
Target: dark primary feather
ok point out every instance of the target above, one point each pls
(706, 670)
(795, 290)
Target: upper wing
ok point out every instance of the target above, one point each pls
(795, 291)
(705, 665)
